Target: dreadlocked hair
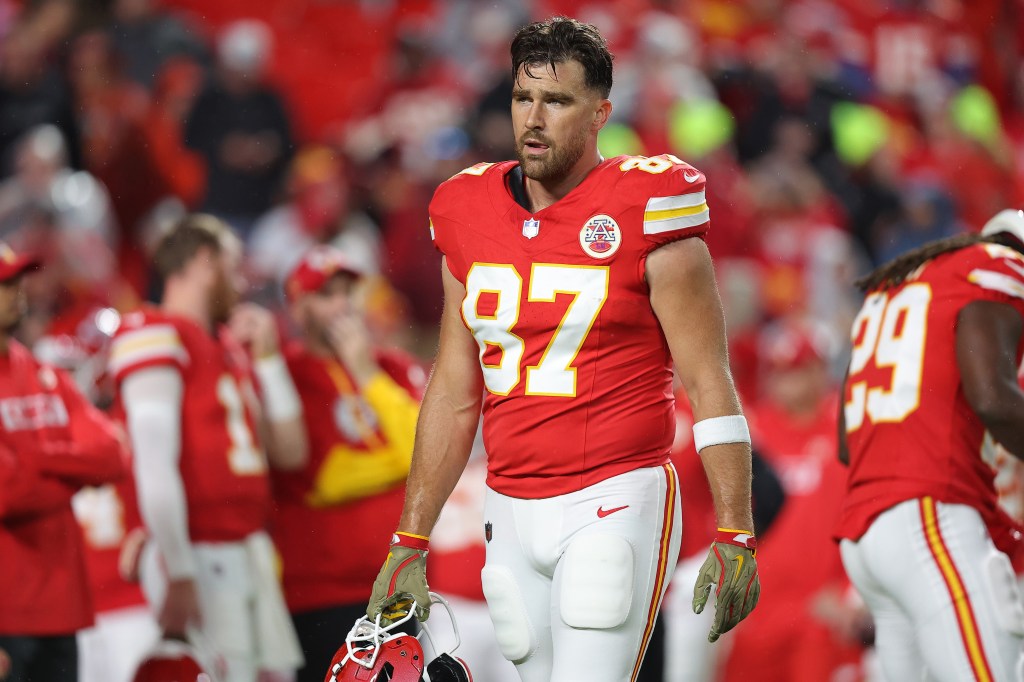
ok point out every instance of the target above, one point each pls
(893, 273)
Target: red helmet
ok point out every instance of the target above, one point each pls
(170, 661)
(375, 653)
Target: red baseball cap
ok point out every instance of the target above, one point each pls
(13, 264)
(792, 345)
(317, 266)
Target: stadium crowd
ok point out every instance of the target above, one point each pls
(835, 134)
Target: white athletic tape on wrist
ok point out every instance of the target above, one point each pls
(720, 430)
(280, 399)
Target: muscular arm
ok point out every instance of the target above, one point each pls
(685, 299)
(152, 399)
(987, 337)
(448, 417)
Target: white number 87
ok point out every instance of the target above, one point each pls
(890, 332)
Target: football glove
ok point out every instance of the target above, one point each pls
(402, 580)
(732, 569)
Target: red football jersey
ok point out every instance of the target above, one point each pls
(52, 442)
(577, 369)
(223, 465)
(329, 548)
(910, 431)
(106, 514)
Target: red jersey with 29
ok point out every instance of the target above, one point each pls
(577, 370)
(910, 431)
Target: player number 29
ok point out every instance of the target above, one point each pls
(890, 333)
(554, 374)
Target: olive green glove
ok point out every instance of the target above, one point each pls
(732, 569)
(402, 580)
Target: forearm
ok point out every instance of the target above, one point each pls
(82, 464)
(287, 442)
(1004, 419)
(152, 400)
(444, 439)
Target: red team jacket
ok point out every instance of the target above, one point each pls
(223, 466)
(577, 369)
(52, 442)
(332, 517)
(910, 431)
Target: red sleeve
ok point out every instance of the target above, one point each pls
(93, 454)
(404, 371)
(996, 273)
(676, 207)
(25, 492)
(145, 344)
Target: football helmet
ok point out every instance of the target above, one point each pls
(376, 652)
(171, 660)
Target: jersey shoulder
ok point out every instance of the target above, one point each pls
(671, 191)
(147, 338)
(987, 271)
(469, 184)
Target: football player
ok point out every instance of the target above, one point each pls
(52, 443)
(360, 406)
(932, 377)
(571, 282)
(198, 429)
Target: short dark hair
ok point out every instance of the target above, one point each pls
(558, 40)
(189, 236)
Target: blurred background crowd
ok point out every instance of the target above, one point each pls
(835, 134)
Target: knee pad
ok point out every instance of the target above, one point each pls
(1003, 593)
(508, 613)
(597, 582)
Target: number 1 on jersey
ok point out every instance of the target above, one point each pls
(554, 374)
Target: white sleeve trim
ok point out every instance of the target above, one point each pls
(152, 399)
(997, 281)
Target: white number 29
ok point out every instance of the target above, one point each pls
(554, 374)
(889, 332)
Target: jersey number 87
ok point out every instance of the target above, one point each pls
(554, 374)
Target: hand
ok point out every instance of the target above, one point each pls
(5, 665)
(732, 568)
(255, 327)
(350, 340)
(180, 609)
(402, 580)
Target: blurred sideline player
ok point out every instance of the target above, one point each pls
(933, 374)
(125, 629)
(360, 406)
(52, 443)
(198, 430)
(457, 553)
(688, 655)
(571, 282)
(793, 424)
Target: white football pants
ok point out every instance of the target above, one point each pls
(944, 600)
(574, 583)
(113, 647)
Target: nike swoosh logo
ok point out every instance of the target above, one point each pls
(739, 565)
(602, 512)
(691, 177)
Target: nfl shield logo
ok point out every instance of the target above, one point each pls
(531, 228)
(487, 531)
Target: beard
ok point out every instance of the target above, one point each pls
(557, 162)
(222, 302)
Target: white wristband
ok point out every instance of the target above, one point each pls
(280, 398)
(720, 430)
